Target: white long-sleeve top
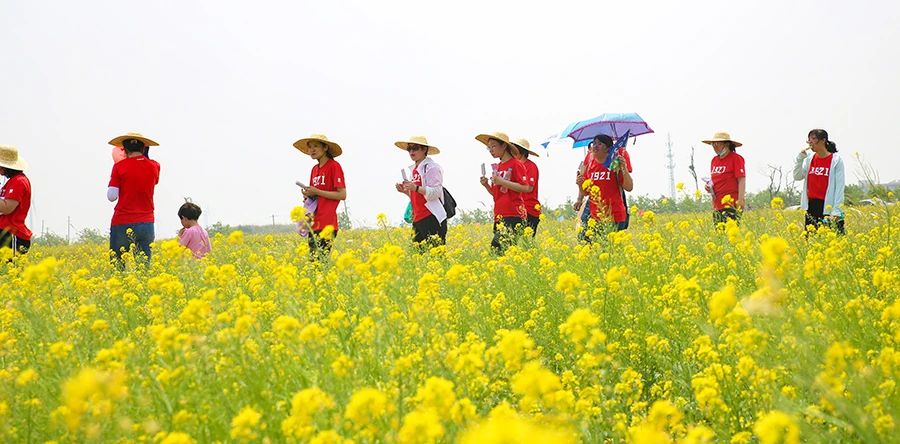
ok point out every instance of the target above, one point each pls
(834, 196)
(433, 181)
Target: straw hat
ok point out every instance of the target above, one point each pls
(722, 136)
(523, 144)
(303, 144)
(9, 158)
(484, 138)
(418, 140)
(118, 141)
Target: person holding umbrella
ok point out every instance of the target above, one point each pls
(727, 178)
(327, 187)
(132, 183)
(585, 211)
(15, 201)
(425, 191)
(507, 183)
(604, 185)
(822, 171)
(532, 176)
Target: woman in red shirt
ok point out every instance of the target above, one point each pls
(605, 189)
(822, 194)
(507, 183)
(425, 191)
(532, 175)
(132, 183)
(15, 201)
(727, 176)
(327, 187)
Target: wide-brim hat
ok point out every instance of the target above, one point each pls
(501, 136)
(417, 140)
(9, 158)
(722, 137)
(523, 144)
(333, 148)
(119, 141)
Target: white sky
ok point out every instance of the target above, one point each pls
(226, 87)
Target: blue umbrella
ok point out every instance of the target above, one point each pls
(611, 124)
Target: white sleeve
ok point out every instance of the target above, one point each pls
(112, 193)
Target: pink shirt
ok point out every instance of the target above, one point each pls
(196, 239)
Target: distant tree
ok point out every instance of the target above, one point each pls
(92, 236)
(50, 239)
(218, 227)
(344, 219)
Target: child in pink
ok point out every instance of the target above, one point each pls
(192, 236)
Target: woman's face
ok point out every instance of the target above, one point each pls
(316, 149)
(814, 142)
(416, 152)
(599, 149)
(496, 148)
(719, 147)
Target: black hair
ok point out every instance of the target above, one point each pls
(134, 146)
(9, 172)
(823, 135)
(730, 145)
(190, 211)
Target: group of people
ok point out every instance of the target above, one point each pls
(602, 177)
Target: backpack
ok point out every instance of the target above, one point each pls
(448, 201)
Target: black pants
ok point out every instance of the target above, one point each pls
(722, 216)
(320, 247)
(532, 222)
(429, 231)
(16, 243)
(815, 216)
(507, 231)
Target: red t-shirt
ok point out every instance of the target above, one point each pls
(725, 172)
(590, 156)
(608, 203)
(328, 177)
(136, 178)
(17, 188)
(420, 211)
(817, 179)
(531, 199)
(509, 203)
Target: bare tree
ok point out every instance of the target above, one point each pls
(694, 170)
(776, 178)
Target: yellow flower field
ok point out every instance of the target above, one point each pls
(671, 331)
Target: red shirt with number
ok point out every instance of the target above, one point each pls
(328, 177)
(623, 151)
(136, 179)
(17, 188)
(725, 172)
(607, 203)
(420, 211)
(509, 203)
(817, 179)
(532, 175)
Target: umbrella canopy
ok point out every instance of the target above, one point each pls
(611, 124)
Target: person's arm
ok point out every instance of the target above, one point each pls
(8, 206)
(486, 185)
(433, 181)
(627, 181)
(838, 194)
(112, 194)
(185, 237)
(515, 186)
(339, 194)
(741, 191)
(799, 171)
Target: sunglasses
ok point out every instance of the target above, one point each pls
(412, 148)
